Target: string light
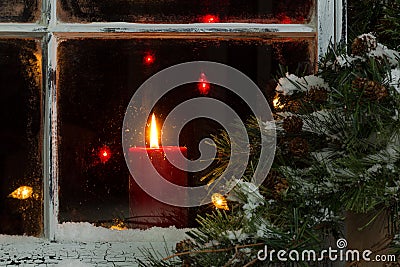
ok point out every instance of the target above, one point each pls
(203, 85)
(219, 201)
(23, 192)
(148, 59)
(118, 225)
(104, 154)
(210, 19)
(277, 104)
(285, 19)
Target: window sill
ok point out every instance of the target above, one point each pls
(86, 232)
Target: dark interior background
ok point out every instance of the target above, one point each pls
(187, 11)
(98, 77)
(20, 136)
(20, 10)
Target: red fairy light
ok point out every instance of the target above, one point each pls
(104, 154)
(300, 19)
(285, 19)
(203, 85)
(210, 19)
(148, 59)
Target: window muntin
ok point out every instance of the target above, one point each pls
(187, 11)
(329, 24)
(21, 136)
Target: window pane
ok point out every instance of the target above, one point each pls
(19, 10)
(187, 11)
(20, 137)
(98, 77)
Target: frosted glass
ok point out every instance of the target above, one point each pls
(187, 11)
(98, 77)
(21, 211)
(20, 10)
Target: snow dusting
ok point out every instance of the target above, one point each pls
(382, 51)
(72, 263)
(85, 232)
(291, 84)
(395, 81)
(346, 61)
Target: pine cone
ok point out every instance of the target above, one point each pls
(376, 91)
(281, 186)
(359, 83)
(185, 246)
(293, 106)
(276, 184)
(363, 44)
(318, 95)
(292, 124)
(298, 147)
(373, 90)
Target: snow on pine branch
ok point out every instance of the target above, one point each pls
(390, 55)
(291, 84)
(395, 79)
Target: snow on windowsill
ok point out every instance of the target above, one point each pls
(9, 239)
(86, 232)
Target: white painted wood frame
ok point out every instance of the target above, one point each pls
(327, 25)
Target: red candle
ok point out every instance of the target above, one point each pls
(146, 211)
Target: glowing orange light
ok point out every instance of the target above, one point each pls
(203, 85)
(210, 19)
(118, 225)
(277, 104)
(153, 133)
(118, 228)
(219, 201)
(149, 59)
(104, 154)
(23, 192)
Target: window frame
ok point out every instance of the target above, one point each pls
(327, 25)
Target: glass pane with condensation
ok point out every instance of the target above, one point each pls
(20, 10)
(97, 79)
(187, 11)
(21, 116)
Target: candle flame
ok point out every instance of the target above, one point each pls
(153, 133)
(219, 201)
(23, 192)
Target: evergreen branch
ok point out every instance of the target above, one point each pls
(251, 263)
(212, 250)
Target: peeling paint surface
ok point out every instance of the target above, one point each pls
(116, 19)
